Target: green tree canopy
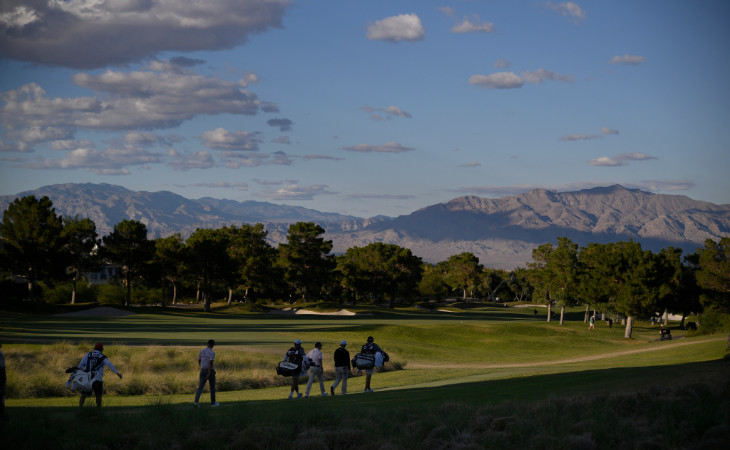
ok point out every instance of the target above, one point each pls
(253, 257)
(462, 272)
(713, 275)
(31, 235)
(80, 242)
(169, 257)
(128, 247)
(380, 270)
(208, 259)
(305, 259)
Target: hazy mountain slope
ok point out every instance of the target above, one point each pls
(504, 231)
(501, 232)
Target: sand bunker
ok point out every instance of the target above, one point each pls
(99, 311)
(342, 312)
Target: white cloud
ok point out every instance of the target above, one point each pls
(405, 27)
(540, 75)
(296, 192)
(585, 137)
(225, 140)
(71, 144)
(502, 63)
(635, 156)
(473, 24)
(568, 9)
(667, 185)
(390, 147)
(68, 33)
(620, 159)
(499, 80)
(313, 156)
(390, 112)
(188, 161)
(111, 161)
(606, 161)
(632, 60)
(126, 101)
(222, 185)
(144, 139)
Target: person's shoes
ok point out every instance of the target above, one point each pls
(215, 405)
(368, 390)
(332, 390)
(290, 394)
(324, 394)
(306, 396)
(196, 404)
(299, 395)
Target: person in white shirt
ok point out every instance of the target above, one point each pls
(207, 373)
(315, 369)
(95, 361)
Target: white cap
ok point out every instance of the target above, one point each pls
(343, 343)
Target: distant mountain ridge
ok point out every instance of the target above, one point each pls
(501, 232)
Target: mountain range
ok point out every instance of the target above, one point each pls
(501, 232)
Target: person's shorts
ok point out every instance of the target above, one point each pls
(98, 388)
(370, 370)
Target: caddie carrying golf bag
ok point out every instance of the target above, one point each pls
(363, 361)
(84, 379)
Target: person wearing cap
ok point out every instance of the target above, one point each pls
(342, 367)
(296, 355)
(95, 360)
(207, 373)
(315, 369)
(371, 348)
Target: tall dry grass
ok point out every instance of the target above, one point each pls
(39, 370)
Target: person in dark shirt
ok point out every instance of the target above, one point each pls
(342, 368)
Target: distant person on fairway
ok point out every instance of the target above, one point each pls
(371, 348)
(297, 356)
(315, 369)
(342, 367)
(3, 384)
(207, 373)
(592, 323)
(95, 360)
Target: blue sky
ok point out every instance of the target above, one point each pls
(365, 107)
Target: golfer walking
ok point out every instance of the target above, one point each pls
(342, 367)
(94, 361)
(315, 369)
(297, 356)
(207, 373)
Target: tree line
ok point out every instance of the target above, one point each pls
(238, 263)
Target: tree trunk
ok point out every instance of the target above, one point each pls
(585, 318)
(464, 296)
(562, 314)
(665, 317)
(73, 291)
(128, 299)
(230, 296)
(174, 293)
(681, 324)
(550, 311)
(629, 327)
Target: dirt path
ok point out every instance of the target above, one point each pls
(667, 345)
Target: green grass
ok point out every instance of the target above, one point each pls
(480, 377)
